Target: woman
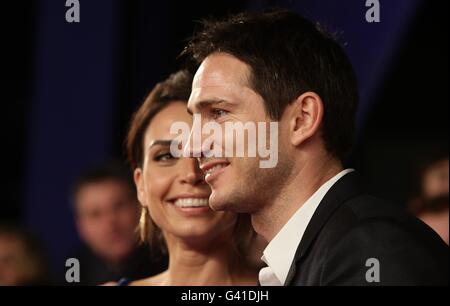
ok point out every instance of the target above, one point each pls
(204, 247)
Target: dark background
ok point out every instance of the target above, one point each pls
(71, 88)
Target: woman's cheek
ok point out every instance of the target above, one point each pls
(158, 189)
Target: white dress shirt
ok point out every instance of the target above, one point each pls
(279, 253)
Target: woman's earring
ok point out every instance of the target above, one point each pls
(144, 224)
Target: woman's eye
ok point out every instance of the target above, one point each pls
(164, 157)
(217, 113)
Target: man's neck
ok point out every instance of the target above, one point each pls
(271, 218)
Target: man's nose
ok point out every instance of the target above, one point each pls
(196, 146)
(110, 218)
(193, 147)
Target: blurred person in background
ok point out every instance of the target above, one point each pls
(107, 214)
(430, 204)
(22, 260)
(204, 247)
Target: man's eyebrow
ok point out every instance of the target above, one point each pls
(204, 103)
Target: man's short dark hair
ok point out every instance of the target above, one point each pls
(111, 170)
(288, 55)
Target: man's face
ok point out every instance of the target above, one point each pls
(435, 180)
(221, 93)
(13, 261)
(107, 216)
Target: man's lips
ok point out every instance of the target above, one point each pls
(213, 168)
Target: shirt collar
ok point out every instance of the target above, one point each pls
(280, 252)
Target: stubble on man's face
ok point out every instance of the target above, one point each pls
(256, 186)
(249, 187)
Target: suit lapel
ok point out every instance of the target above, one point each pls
(344, 189)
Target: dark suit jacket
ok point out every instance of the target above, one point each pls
(349, 227)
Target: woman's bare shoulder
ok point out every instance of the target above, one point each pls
(156, 280)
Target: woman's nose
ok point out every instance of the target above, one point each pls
(192, 174)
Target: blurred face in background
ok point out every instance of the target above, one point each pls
(20, 264)
(13, 261)
(435, 180)
(435, 188)
(173, 189)
(107, 217)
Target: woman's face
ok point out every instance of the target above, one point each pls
(173, 189)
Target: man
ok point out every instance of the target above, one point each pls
(321, 226)
(107, 214)
(430, 203)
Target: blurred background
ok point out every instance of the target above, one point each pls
(72, 87)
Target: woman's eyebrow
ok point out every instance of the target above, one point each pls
(160, 142)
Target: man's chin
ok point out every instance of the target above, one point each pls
(217, 202)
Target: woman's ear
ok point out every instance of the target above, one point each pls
(139, 181)
(305, 117)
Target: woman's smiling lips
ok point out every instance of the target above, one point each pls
(191, 205)
(213, 168)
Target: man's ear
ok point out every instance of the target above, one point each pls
(139, 181)
(305, 117)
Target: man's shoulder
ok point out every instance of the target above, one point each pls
(366, 206)
(368, 213)
(366, 227)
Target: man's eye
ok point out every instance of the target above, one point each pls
(164, 157)
(217, 113)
